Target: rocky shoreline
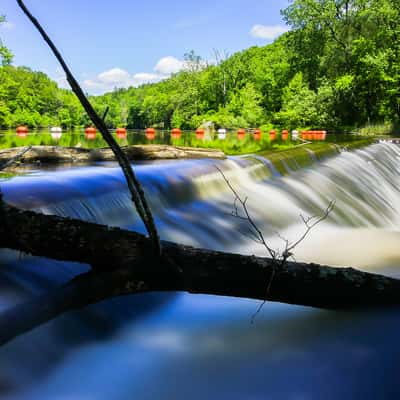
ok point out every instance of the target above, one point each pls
(74, 155)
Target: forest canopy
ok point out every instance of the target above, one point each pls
(338, 67)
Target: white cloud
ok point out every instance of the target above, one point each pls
(145, 77)
(120, 78)
(114, 76)
(168, 65)
(93, 84)
(268, 32)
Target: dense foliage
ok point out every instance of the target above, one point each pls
(338, 66)
(31, 98)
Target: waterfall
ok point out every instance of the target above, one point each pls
(192, 204)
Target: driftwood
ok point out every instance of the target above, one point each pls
(124, 262)
(60, 155)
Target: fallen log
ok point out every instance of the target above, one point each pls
(124, 262)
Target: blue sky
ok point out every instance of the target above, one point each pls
(120, 43)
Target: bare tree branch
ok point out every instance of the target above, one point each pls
(15, 158)
(134, 186)
(279, 258)
(105, 113)
(119, 261)
(312, 225)
(242, 202)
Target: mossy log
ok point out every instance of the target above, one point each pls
(124, 262)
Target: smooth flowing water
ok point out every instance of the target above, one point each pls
(179, 346)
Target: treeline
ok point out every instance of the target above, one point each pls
(338, 66)
(31, 98)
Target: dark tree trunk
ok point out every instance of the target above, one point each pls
(124, 263)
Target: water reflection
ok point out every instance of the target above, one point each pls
(205, 347)
(229, 142)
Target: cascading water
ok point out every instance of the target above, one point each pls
(179, 346)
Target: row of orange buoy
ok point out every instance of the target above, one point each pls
(313, 135)
(91, 133)
(176, 133)
(257, 134)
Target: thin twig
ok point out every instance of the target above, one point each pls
(278, 259)
(15, 158)
(309, 226)
(247, 214)
(105, 113)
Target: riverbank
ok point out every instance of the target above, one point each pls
(73, 155)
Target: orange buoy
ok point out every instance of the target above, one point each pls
(150, 133)
(272, 135)
(323, 136)
(90, 133)
(176, 133)
(121, 133)
(285, 134)
(241, 133)
(257, 134)
(22, 131)
(304, 135)
(313, 135)
(199, 133)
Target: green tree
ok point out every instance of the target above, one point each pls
(299, 108)
(355, 45)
